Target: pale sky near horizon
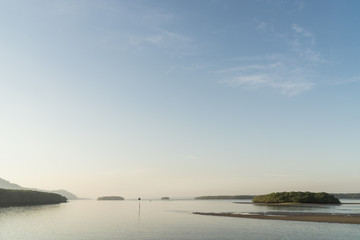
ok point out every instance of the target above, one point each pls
(180, 98)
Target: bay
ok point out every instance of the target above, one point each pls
(156, 219)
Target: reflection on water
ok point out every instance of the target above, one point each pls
(112, 220)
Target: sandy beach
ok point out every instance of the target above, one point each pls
(287, 216)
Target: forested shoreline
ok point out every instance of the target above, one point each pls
(12, 197)
(297, 197)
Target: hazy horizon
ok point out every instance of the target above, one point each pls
(180, 98)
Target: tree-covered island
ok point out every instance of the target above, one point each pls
(12, 197)
(297, 197)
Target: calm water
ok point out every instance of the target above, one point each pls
(110, 220)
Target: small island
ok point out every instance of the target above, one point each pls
(110, 198)
(296, 197)
(12, 197)
(165, 198)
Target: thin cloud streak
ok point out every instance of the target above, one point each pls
(291, 73)
(289, 88)
(250, 67)
(302, 31)
(172, 42)
(146, 28)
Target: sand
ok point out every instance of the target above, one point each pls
(287, 216)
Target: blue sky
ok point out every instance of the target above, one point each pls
(180, 98)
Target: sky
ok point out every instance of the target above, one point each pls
(180, 98)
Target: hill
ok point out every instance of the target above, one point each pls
(8, 185)
(297, 197)
(12, 197)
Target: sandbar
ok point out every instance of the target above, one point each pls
(287, 216)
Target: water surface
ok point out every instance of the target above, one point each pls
(111, 220)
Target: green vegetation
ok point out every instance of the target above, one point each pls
(224, 197)
(117, 198)
(165, 198)
(297, 197)
(347, 195)
(11, 197)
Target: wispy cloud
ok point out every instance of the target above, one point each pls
(291, 72)
(145, 27)
(166, 41)
(262, 26)
(345, 81)
(172, 42)
(289, 88)
(302, 31)
(250, 67)
(163, 38)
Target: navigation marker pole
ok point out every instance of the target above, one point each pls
(139, 205)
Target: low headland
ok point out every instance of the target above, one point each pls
(165, 198)
(12, 197)
(110, 198)
(225, 197)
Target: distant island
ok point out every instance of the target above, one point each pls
(16, 197)
(112, 198)
(297, 197)
(165, 198)
(347, 195)
(67, 194)
(224, 197)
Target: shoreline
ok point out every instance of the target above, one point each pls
(297, 204)
(286, 216)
